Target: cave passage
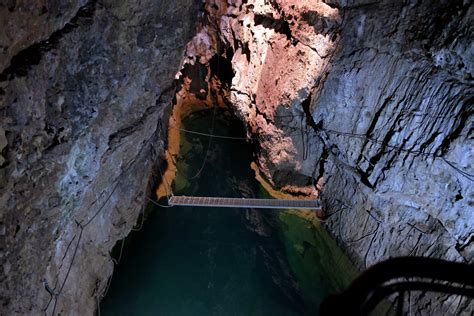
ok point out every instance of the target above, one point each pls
(223, 261)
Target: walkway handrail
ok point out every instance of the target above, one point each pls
(418, 273)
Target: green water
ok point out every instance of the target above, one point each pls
(221, 261)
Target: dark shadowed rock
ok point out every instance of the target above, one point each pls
(84, 85)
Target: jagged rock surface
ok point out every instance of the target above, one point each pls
(83, 85)
(372, 102)
(396, 115)
(26, 22)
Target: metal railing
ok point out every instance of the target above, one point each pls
(400, 275)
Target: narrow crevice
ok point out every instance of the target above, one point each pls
(322, 163)
(278, 25)
(466, 112)
(241, 92)
(246, 51)
(306, 105)
(386, 167)
(373, 124)
(364, 177)
(430, 140)
(222, 68)
(376, 158)
(370, 130)
(22, 62)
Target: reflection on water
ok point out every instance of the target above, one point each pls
(222, 261)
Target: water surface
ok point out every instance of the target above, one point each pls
(223, 261)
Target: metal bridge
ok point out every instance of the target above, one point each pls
(243, 202)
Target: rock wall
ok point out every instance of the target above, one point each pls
(83, 86)
(369, 101)
(395, 116)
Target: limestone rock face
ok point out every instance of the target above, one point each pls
(83, 87)
(26, 22)
(276, 56)
(371, 102)
(395, 114)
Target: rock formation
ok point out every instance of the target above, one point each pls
(369, 101)
(83, 87)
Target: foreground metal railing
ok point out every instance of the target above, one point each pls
(400, 275)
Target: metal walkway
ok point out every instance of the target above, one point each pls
(243, 203)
